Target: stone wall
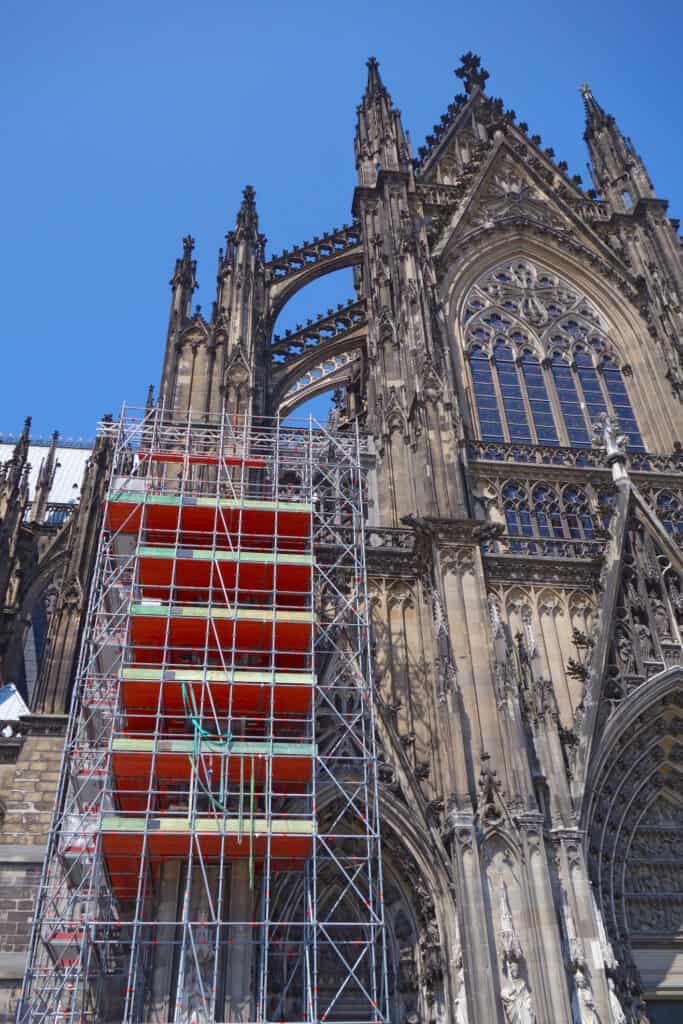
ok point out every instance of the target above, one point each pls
(29, 771)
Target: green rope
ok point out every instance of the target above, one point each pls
(198, 734)
(240, 807)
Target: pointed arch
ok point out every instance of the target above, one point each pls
(634, 821)
(469, 259)
(552, 365)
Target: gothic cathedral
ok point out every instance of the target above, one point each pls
(514, 356)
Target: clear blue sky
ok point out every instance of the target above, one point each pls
(128, 125)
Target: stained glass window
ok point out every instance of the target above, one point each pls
(517, 514)
(577, 513)
(541, 409)
(547, 511)
(616, 390)
(670, 511)
(513, 402)
(540, 360)
(485, 394)
(570, 405)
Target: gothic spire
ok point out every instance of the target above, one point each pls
(618, 172)
(381, 143)
(596, 117)
(44, 482)
(375, 86)
(247, 218)
(184, 280)
(20, 453)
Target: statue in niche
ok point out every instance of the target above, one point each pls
(645, 639)
(583, 1003)
(661, 620)
(618, 1015)
(516, 998)
(625, 654)
(460, 1004)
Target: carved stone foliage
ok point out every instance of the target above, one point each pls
(635, 830)
(539, 631)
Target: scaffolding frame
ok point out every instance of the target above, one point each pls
(214, 853)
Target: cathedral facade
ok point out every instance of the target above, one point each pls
(514, 353)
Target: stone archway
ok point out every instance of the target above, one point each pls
(634, 827)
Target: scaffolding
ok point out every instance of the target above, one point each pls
(215, 848)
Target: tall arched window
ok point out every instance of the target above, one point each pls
(541, 363)
(546, 511)
(485, 394)
(577, 513)
(511, 393)
(541, 409)
(569, 402)
(517, 514)
(616, 390)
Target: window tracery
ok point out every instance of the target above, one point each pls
(541, 362)
(670, 511)
(544, 513)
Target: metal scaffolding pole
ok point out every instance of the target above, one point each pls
(215, 848)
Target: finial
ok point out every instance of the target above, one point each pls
(249, 195)
(27, 427)
(188, 246)
(595, 115)
(375, 85)
(606, 434)
(509, 939)
(471, 72)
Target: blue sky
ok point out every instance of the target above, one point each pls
(128, 125)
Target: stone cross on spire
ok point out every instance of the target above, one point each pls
(471, 72)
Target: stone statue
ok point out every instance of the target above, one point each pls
(517, 998)
(625, 654)
(583, 1003)
(661, 619)
(618, 1015)
(460, 1005)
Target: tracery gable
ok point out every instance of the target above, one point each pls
(508, 192)
(643, 634)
